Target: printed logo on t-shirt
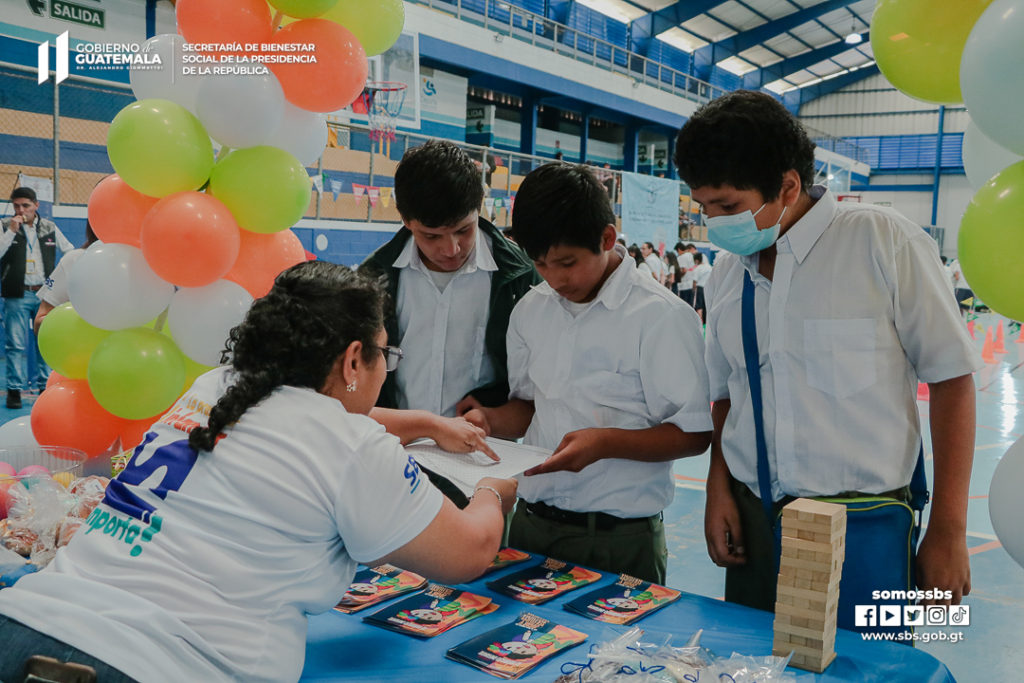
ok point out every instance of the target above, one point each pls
(412, 473)
(175, 460)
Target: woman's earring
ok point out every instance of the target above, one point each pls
(350, 387)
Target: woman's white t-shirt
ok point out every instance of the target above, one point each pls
(205, 567)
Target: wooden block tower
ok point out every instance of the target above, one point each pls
(813, 548)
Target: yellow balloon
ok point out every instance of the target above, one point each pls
(918, 45)
(377, 24)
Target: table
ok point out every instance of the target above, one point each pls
(340, 647)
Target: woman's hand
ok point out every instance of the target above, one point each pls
(506, 488)
(458, 435)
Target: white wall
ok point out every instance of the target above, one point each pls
(874, 107)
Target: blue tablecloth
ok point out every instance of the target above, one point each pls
(341, 647)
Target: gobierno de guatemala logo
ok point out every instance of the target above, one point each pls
(99, 56)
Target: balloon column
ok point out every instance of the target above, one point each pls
(187, 238)
(971, 51)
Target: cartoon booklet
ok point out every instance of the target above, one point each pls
(624, 601)
(511, 650)
(507, 557)
(544, 581)
(431, 612)
(377, 584)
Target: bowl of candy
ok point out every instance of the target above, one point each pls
(44, 499)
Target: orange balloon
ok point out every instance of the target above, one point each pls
(340, 71)
(262, 257)
(190, 239)
(116, 211)
(133, 431)
(55, 378)
(224, 21)
(68, 415)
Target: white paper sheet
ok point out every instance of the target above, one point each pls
(466, 469)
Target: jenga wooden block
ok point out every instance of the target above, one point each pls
(822, 634)
(808, 663)
(814, 510)
(792, 563)
(828, 547)
(831, 526)
(785, 609)
(817, 599)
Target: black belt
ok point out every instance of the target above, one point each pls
(33, 288)
(601, 520)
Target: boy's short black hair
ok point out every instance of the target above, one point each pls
(560, 204)
(24, 193)
(746, 139)
(698, 257)
(437, 184)
(679, 246)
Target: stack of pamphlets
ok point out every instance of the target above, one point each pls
(511, 650)
(623, 602)
(544, 581)
(431, 612)
(377, 584)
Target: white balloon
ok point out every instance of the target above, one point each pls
(982, 157)
(1005, 504)
(992, 73)
(17, 433)
(112, 287)
(201, 318)
(302, 133)
(240, 110)
(167, 81)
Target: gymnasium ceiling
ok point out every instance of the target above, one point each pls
(780, 45)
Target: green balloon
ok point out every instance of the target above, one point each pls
(193, 370)
(265, 188)
(159, 148)
(303, 9)
(376, 23)
(136, 373)
(66, 341)
(991, 242)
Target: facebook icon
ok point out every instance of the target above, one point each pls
(865, 615)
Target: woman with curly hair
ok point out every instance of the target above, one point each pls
(248, 505)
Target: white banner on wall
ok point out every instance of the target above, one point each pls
(650, 209)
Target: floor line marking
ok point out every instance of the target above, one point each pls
(991, 545)
(685, 478)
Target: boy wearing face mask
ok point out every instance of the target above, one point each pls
(840, 357)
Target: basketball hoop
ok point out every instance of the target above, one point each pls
(382, 102)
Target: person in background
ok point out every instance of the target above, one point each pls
(658, 269)
(701, 273)
(28, 254)
(674, 273)
(248, 506)
(633, 251)
(686, 264)
(841, 357)
(633, 398)
(54, 291)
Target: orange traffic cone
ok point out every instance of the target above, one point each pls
(922, 392)
(970, 328)
(999, 347)
(987, 353)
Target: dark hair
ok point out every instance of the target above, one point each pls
(649, 245)
(673, 264)
(560, 204)
(24, 193)
(745, 139)
(679, 246)
(634, 251)
(293, 335)
(698, 257)
(437, 184)
(90, 236)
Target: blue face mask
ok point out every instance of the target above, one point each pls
(738, 233)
